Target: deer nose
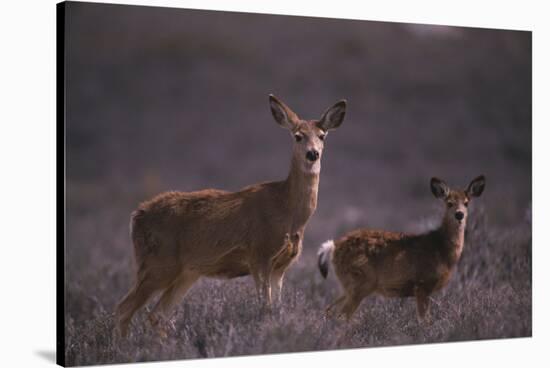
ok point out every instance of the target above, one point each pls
(459, 215)
(312, 155)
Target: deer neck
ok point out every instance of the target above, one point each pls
(453, 238)
(301, 189)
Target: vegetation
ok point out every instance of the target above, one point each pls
(160, 99)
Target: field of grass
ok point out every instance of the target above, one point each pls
(489, 297)
(164, 100)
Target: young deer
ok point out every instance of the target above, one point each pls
(179, 237)
(401, 265)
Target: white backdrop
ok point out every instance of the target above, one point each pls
(27, 180)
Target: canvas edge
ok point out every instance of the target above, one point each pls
(60, 185)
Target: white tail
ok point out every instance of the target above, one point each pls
(324, 256)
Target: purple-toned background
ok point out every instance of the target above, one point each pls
(171, 99)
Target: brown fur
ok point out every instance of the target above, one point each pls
(179, 237)
(401, 265)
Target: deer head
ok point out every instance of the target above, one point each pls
(308, 135)
(456, 201)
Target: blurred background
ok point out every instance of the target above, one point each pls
(170, 99)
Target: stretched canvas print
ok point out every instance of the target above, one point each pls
(239, 184)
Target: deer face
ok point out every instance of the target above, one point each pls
(308, 145)
(456, 201)
(308, 135)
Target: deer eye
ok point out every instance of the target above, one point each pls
(449, 204)
(298, 137)
(322, 137)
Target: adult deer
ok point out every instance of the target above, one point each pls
(401, 265)
(179, 237)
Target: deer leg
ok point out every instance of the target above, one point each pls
(334, 304)
(277, 284)
(262, 277)
(354, 298)
(422, 303)
(257, 284)
(134, 300)
(281, 261)
(164, 307)
(263, 289)
(360, 286)
(266, 289)
(351, 304)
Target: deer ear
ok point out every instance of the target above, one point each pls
(283, 115)
(333, 117)
(439, 188)
(476, 186)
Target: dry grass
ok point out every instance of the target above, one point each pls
(489, 297)
(160, 99)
